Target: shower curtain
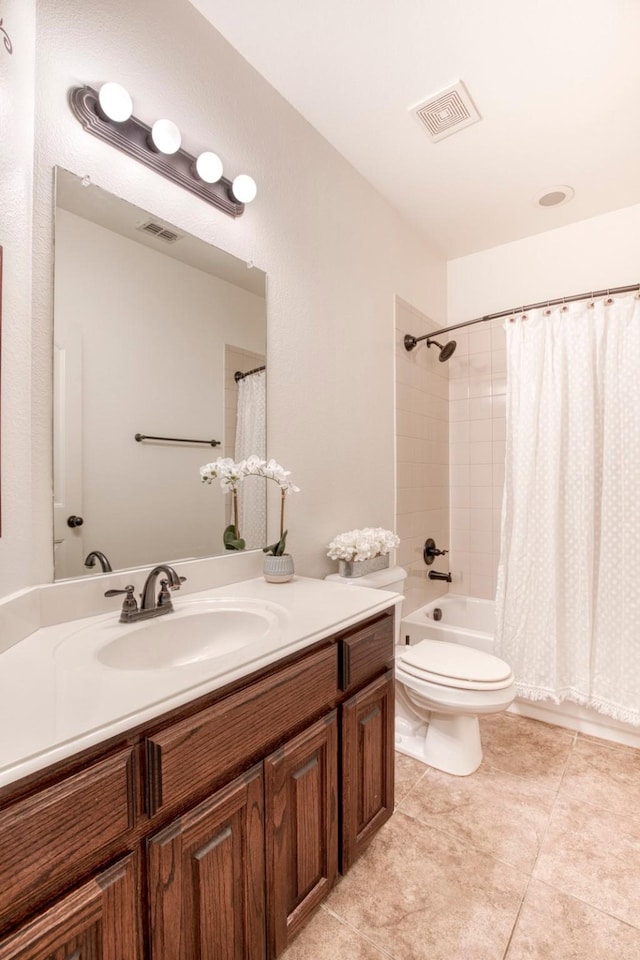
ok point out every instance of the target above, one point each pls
(568, 598)
(251, 439)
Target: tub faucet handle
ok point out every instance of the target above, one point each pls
(430, 551)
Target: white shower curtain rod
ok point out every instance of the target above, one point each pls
(410, 342)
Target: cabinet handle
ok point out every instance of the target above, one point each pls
(154, 777)
(345, 666)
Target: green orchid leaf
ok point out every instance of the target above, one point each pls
(230, 540)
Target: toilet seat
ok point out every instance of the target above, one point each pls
(454, 665)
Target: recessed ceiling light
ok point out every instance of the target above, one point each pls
(554, 196)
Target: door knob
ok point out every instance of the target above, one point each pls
(74, 521)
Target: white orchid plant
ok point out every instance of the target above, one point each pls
(231, 474)
(363, 544)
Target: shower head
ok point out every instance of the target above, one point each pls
(446, 351)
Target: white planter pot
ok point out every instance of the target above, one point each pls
(278, 569)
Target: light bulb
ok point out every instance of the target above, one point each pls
(166, 136)
(114, 101)
(244, 188)
(209, 167)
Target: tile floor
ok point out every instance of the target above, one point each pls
(534, 857)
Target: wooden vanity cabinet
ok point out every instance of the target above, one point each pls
(367, 794)
(97, 921)
(220, 830)
(301, 791)
(206, 878)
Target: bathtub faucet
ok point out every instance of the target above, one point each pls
(436, 575)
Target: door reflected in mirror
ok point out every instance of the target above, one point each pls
(150, 327)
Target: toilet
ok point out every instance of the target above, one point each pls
(441, 689)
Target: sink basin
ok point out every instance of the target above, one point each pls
(198, 631)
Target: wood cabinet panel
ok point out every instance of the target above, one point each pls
(195, 754)
(367, 765)
(53, 837)
(206, 878)
(366, 652)
(98, 921)
(301, 796)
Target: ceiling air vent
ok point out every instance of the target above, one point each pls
(162, 233)
(447, 112)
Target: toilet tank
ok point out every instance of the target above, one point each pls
(392, 579)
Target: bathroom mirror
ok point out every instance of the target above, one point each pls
(150, 327)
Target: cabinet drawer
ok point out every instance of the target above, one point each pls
(48, 839)
(192, 756)
(366, 652)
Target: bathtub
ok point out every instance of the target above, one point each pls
(465, 620)
(471, 621)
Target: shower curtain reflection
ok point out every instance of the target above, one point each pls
(251, 439)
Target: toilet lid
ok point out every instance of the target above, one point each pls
(454, 665)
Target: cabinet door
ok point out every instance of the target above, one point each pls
(206, 878)
(367, 765)
(98, 921)
(301, 781)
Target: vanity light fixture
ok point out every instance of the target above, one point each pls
(165, 137)
(114, 102)
(244, 188)
(209, 167)
(108, 115)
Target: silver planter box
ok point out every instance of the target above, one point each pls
(360, 568)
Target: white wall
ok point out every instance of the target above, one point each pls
(152, 356)
(591, 255)
(335, 253)
(595, 254)
(16, 166)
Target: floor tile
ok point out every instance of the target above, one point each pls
(526, 748)
(327, 938)
(408, 772)
(552, 925)
(593, 853)
(421, 895)
(499, 814)
(608, 776)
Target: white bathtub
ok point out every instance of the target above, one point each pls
(471, 621)
(466, 620)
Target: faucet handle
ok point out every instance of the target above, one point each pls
(164, 597)
(129, 604)
(430, 551)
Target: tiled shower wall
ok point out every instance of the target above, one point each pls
(477, 395)
(450, 428)
(422, 456)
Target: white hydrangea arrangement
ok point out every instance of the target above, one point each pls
(363, 544)
(231, 474)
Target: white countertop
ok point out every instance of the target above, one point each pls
(57, 698)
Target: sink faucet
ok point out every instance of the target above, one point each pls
(171, 581)
(149, 607)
